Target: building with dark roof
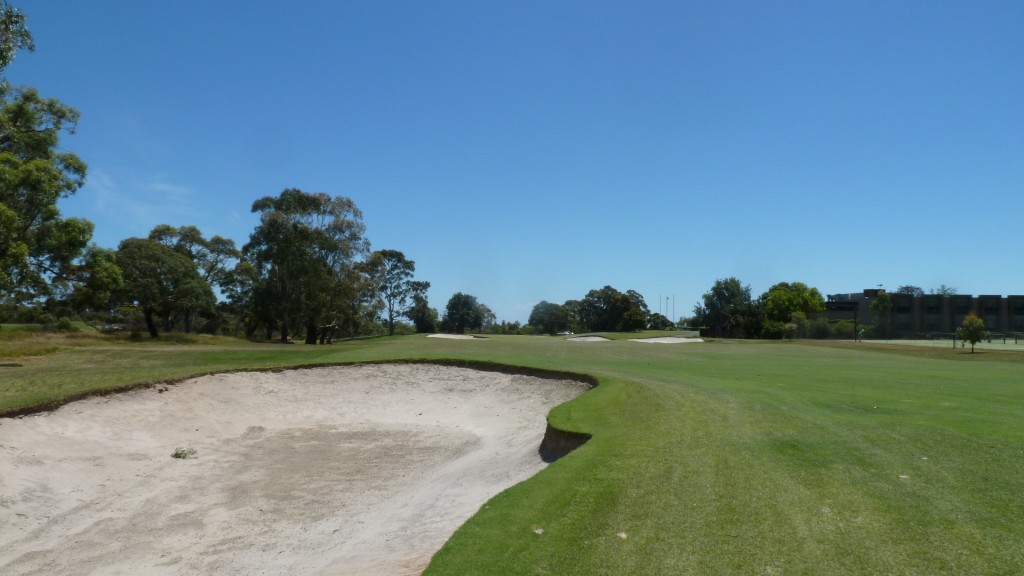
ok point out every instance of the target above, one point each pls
(931, 314)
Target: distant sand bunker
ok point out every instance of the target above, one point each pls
(345, 470)
(668, 340)
(455, 336)
(588, 339)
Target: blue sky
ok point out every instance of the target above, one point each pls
(528, 151)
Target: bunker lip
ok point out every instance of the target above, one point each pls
(362, 468)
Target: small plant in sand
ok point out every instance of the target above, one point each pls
(183, 453)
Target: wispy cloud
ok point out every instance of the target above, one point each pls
(138, 203)
(160, 185)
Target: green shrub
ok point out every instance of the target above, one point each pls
(844, 329)
(820, 329)
(772, 330)
(64, 324)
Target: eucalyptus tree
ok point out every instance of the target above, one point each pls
(303, 251)
(14, 35)
(214, 257)
(38, 247)
(98, 281)
(423, 317)
(390, 274)
(162, 283)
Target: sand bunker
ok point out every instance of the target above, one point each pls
(352, 470)
(455, 336)
(588, 339)
(668, 340)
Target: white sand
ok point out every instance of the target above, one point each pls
(668, 340)
(588, 339)
(455, 336)
(354, 470)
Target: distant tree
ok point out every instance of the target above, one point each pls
(505, 328)
(304, 251)
(423, 317)
(238, 288)
(782, 300)
(658, 321)
(549, 318)
(488, 318)
(608, 310)
(882, 307)
(910, 290)
(390, 274)
(214, 257)
(973, 330)
(463, 312)
(726, 310)
(98, 280)
(161, 281)
(574, 315)
(943, 290)
(636, 315)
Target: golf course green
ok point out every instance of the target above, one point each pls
(722, 457)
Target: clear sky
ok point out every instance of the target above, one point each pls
(526, 151)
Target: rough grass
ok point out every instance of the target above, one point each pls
(716, 458)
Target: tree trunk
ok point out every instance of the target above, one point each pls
(150, 323)
(311, 332)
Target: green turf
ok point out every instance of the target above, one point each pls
(715, 458)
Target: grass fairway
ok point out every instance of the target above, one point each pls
(715, 458)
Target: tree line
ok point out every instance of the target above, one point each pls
(306, 271)
(600, 310)
(788, 310)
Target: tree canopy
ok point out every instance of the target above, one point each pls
(608, 310)
(725, 309)
(14, 35)
(783, 299)
(463, 312)
(390, 274)
(943, 290)
(972, 330)
(423, 317)
(910, 290)
(303, 251)
(162, 282)
(214, 257)
(39, 245)
(549, 318)
(882, 307)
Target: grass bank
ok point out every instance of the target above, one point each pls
(715, 458)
